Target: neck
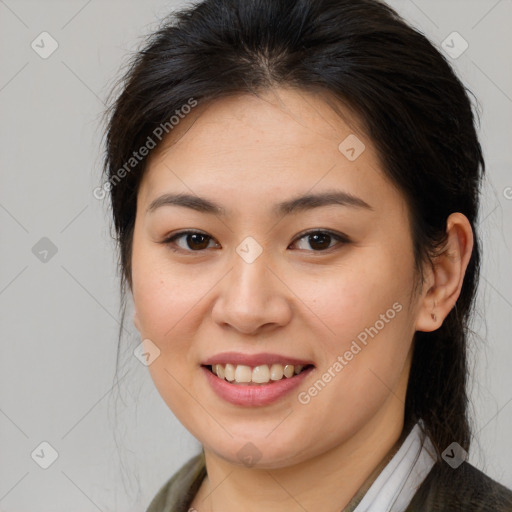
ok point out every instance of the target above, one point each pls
(332, 480)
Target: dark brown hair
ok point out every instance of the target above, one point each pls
(412, 106)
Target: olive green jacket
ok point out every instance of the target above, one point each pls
(465, 489)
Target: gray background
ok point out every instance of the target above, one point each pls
(60, 317)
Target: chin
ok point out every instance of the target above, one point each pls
(260, 451)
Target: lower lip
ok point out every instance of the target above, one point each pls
(249, 395)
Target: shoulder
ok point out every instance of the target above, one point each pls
(464, 489)
(180, 489)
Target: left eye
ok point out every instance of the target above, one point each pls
(321, 239)
(198, 241)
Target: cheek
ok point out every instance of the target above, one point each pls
(356, 293)
(168, 313)
(162, 296)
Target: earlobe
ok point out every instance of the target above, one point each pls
(447, 274)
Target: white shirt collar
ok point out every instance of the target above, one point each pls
(400, 479)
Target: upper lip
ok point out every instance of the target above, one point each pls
(253, 359)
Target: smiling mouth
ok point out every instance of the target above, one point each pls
(263, 374)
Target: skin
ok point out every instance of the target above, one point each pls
(246, 153)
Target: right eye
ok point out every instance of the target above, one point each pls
(196, 241)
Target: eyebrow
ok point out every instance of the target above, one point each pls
(294, 205)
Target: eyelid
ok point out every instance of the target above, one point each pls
(340, 237)
(168, 240)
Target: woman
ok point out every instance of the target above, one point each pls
(295, 187)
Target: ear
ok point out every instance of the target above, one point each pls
(443, 280)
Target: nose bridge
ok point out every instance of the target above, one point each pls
(250, 277)
(251, 296)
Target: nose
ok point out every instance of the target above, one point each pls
(253, 297)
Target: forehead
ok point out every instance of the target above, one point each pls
(297, 116)
(277, 143)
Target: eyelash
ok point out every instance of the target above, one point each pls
(337, 236)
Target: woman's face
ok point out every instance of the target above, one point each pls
(273, 286)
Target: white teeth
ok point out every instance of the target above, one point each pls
(288, 370)
(276, 372)
(219, 371)
(229, 372)
(243, 374)
(260, 374)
